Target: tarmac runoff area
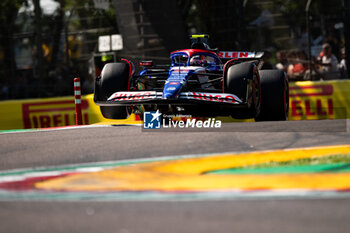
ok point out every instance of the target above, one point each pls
(200, 177)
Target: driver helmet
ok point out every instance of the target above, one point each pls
(197, 60)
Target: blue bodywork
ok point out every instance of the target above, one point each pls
(176, 80)
(180, 70)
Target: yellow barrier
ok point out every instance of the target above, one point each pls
(308, 101)
(319, 100)
(43, 113)
(48, 112)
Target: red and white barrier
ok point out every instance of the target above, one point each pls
(77, 101)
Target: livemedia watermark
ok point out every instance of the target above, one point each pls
(157, 120)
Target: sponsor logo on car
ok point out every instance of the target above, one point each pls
(232, 55)
(212, 97)
(122, 96)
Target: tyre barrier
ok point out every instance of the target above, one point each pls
(308, 101)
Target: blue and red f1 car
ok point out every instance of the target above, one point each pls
(200, 81)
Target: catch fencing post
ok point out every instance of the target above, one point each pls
(77, 102)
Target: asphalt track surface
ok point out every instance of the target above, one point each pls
(71, 146)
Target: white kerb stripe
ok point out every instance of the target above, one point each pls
(78, 101)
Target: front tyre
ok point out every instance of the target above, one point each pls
(243, 80)
(274, 96)
(114, 77)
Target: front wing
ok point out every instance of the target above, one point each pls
(153, 97)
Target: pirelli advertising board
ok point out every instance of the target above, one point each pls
(308, 101)
(319, 100)
(43, 113)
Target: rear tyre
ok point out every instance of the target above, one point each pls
(114, 77)
(244, 82)
(274, 96)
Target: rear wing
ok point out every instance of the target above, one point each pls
(240, 55)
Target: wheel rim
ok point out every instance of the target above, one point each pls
(256, 94)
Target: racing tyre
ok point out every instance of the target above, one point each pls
(114, 77)
(244, 82)
(274, 96)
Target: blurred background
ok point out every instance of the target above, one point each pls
(44, 44)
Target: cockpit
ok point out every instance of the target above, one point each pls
(204, 59)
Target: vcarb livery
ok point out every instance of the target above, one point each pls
(200, 81)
